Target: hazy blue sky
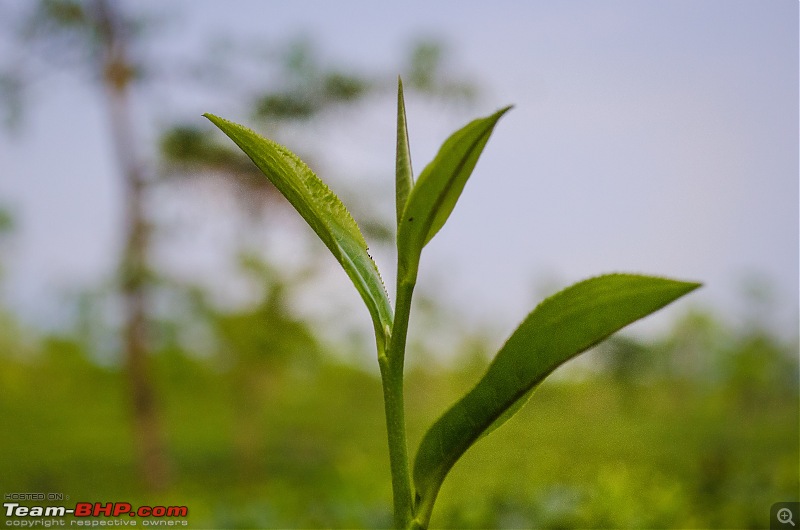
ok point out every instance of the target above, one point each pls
(655, 137)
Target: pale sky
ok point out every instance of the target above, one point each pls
(652, 137)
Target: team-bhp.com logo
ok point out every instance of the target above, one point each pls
(96, 509)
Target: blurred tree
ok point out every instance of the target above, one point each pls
(626, 359)
(428, 73)
(757, 367)
(259, 343)
(10, 100)
(301, 89)
(6, 221)
(12, 339)
(307, 89)
(97, 35)
(101, 36)
(6, 226)
(691, 351)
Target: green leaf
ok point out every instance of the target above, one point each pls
(438, 188)
(560, 328)
(404, 176)
(323, 211)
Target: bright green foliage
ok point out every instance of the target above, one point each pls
(438, 188)
(404, 175)
(323, 211)
(560, 328)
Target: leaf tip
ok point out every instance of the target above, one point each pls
(505, 109)
(691, 286)
(213, 118)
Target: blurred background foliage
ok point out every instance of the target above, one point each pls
(270, 428)
(263, 422)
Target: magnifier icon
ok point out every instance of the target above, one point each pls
(785, 516)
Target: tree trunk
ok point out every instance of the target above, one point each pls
(117, 74)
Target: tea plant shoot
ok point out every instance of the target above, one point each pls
(559, 328)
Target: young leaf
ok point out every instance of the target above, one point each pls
(323, 211)
(438, 188)
(404, 176)
(561, 327)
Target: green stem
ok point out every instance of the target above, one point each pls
(398, 452)
(392, 377)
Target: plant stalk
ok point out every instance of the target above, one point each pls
(392, 377)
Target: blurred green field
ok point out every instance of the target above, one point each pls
(297, 445)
